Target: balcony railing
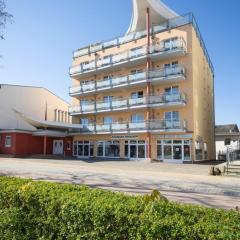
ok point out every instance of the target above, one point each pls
(153, 75)
(170, 24)
(163, 100)
(161, 48)
(152, 125)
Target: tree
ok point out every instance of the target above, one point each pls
(5, 17)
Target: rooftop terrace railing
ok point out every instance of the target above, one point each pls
(170, 24)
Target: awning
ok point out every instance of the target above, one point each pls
(159, 13)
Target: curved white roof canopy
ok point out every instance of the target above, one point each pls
(159, 13)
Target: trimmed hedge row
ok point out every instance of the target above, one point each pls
(40, 210)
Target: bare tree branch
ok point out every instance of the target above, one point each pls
(5, 17)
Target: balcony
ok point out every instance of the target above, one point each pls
(118, 105)
(168, 25)
(156, 125)
(155, 76)
(164, 50)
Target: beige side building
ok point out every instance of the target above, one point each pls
(147, 95)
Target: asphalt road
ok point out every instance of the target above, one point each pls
(181, 183)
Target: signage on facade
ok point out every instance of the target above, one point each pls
(179, 136)
(124, 137)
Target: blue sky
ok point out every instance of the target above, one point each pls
(39, 44)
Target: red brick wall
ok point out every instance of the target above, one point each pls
(24, 144)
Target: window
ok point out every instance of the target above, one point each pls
(136, 95)
(107, 120)
(112, 149)
(108, 77)
(84, 102)
(171, 65)
(136, 118)
(172, 116)
(172, 90)
(8, 141)
(171, 43)
(135, 52)
(100, 149)
(136, 71)
(107, 99)
(84, 121)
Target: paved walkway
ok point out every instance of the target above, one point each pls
(181, 183)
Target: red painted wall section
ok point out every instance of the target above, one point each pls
(24, 144)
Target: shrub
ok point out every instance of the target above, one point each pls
(40, 210)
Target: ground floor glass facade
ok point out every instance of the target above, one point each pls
(169, 150)
(175, 150)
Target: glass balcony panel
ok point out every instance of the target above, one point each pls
(138, 52)
(88, 108)
(76, 89)
(156, 99)
(126, 38)
(172, 97)
(140, 34)
(88, 128)
(88, 87)
(88, 66)
(157, 74)
(75, 109)
(119, 80)
(120, 57)
(137, 101)
(96, 47)
(158, 124)
(103, 84)
(119, 103)
(104, 62)
(110, 43)
(75, 69)
(137, 76)
(160, 28)
(119, 126)
(139, 125)
(80, 52)
(103, 105)
(103, 128)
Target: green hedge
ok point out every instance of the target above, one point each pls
(40, 210)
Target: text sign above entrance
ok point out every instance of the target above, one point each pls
(126, 137)
(179, 136)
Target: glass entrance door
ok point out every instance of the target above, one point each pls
(177, 152)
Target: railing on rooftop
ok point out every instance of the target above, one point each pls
(153, 75)
(170, 24)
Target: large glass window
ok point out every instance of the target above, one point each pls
(100, 149)
(112, 149)
(167, 152)
(135, 149)
(176, 150)
(82, 149)
(159, 150)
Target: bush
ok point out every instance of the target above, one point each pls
(40, 210)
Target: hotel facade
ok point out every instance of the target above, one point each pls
(148, 95)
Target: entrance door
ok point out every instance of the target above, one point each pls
(58, 147)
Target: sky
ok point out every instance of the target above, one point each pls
(38, 45)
